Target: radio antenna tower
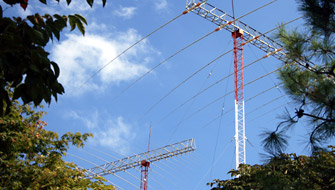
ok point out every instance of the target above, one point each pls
(242, 34)
(143, 160)
(145, 168)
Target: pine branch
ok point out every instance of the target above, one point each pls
(319, 118)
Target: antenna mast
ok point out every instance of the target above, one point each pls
(242, 34)
(145, 168)
(239, 98)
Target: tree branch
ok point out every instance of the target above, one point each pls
(320, 118)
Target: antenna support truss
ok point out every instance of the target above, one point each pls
(150, 156)
(227, 22)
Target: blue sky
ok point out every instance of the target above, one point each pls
(120, 123)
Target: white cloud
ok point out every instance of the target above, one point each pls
(24, 13)
(126, 12)
(118, 135)
(90, 123)
(79, 57)
(109, 132)
(161, 4)
(54, 7)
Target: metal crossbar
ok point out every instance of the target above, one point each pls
(150, 156)
(250, 35)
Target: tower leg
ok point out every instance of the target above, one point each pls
(239, 98)
(144, 174)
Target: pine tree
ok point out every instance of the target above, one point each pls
(308, 77)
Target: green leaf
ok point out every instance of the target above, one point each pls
(43, 1)
(103, 3)
(32, 19)
(68, 2)
(81, 18)
(34, 67)
(55, 68)
(60, 19)
(47, 95)
(90, 2)
(40, 20)
(19, 91)
(38, 37)
(80, 26)
(72, 21)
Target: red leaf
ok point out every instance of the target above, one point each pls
(24, 5)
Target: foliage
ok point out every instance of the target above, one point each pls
(308, 77)
(286, 171)
(31, 157)
(24, 63)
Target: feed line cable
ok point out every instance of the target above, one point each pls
(162, 62)
(224, 100)
(219, 98)
(177, 126)
(98, 157)
(102, 169)
(200, 89)
(163, 170)
(100, 176)
(232, 7)
(217, 82)
(267, 55)
(219, 157)
(185, 80)
(231, 108)
(127, 49)
(194, 42)
(188, 168)
(276, 86)
(202, 86)
(124, 156)
(253, 11)
(159, 101)
(116, 158)
(169, 167)
(259, 107)
(216, 118)
(216, 143)
(259, 116)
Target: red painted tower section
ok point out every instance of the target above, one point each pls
(238, 65)
(144, 174)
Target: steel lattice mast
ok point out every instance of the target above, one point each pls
(239, 98)
(143, 160)
(242, 34)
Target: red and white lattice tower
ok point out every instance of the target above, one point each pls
(239, 98)
(242, 35)
(144, 174)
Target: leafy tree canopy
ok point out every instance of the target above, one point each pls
(285, 171)
(24, 63)
(312, 86)
(31, 157)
